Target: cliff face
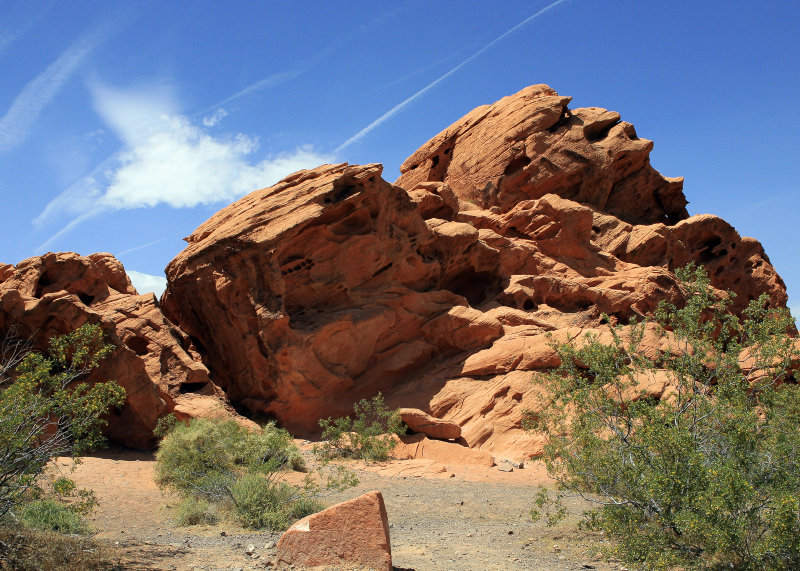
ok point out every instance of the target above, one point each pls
(521, 219)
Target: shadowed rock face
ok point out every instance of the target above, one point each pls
(521, 219)
(153, 360)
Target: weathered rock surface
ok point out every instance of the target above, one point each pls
(432, 427)
(420, 447)
(522, 219)
(153, 360)
(351, 534)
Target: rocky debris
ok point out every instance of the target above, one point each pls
(153, 360)
(432, 427)
(352, 533)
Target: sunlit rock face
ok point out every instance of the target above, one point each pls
(521, 219)
(153, 360)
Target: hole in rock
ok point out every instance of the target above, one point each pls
(43, 282)
(434, 161)
(529, 305)
(137, 344)
(472, 285)
(706, 251)
(86, 298)
(517, 164)
(191, 387)
(598, 131)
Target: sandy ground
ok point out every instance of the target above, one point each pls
(441, 518)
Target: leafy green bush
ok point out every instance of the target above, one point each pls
(707, 476)
(367, 434)
(262, 502)
(49, 514)
(236, 471)
(46, 407)
(205, 457)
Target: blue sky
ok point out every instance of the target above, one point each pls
(124, 125)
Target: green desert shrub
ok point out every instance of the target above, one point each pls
(708, 475)
(49, 514)
(262, 502)
(366, 434)
(205, 457)
(220, 465)
(48, 409)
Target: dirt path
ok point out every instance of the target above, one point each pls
(466, 518)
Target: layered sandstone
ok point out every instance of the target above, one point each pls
(153, 360)
(522, 219)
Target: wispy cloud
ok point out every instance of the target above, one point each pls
(41, 90)
(391, 112)
(140, 247)
(214, 119)
(295, 71)
(168, 160)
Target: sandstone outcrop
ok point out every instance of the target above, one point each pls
(430, 426)
(351, 534)
(521, 220)
(153, 360)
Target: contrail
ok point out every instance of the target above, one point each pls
(40, 91)
(434, 83)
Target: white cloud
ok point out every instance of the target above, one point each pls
(181, 165)
(168, 160)
(145, 283)
(214, 119)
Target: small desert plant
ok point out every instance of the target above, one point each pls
(262, 502)
(204, 457)
(219, 464)
(366, 434)
(48, 514)
(196, 511)
(27, 549)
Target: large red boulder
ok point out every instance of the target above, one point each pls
(350, 534)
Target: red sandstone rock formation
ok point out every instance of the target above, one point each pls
(430, 426)
(523, 218)
(348, 535)
(153, 360)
